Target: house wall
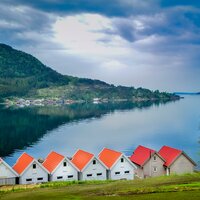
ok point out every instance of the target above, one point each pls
(64, 172)
(148, 168)
(181, 165)
(34, 174)
(139, 172)
(93, 170)
(121, 168)
(7, 177)
(6, 172)
(7, 181)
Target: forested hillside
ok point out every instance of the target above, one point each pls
(23, 75)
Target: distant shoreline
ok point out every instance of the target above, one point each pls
(187, 93)
(32, 102)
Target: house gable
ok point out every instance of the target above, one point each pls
(123, 168)
(94, 170)
(64, 171)
(34, 170)
(95, 161)
(154, 166)
(34, 173)
(62, 165)
(6, 171)
(181, 165)
(186, 156)
(126, 159)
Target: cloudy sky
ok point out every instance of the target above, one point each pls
(148, 43)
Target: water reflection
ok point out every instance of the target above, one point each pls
(21, 128)
(91, 127)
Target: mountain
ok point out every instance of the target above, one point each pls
(23, 75)
(21, 72)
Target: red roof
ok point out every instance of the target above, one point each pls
(81, 159)
(169, 154)
(141, 155)
(52, 161)
(22, 163)
(109, 157)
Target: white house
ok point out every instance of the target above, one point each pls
(30, 170)
(91, 168)
(7, 174)
(60, 168)
(120, 167)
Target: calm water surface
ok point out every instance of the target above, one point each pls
(92, 127)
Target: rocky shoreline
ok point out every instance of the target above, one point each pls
(26, 102)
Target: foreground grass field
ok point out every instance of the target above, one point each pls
(173, 187)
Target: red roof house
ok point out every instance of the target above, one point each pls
(120, 167)
(30, 170)
(60, 167)
(141, 155)
(177, 161)
(149, 162)
(91, 168)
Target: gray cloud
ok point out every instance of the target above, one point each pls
(108, 8)
(162, 41)
(174, 22)
(21, 25)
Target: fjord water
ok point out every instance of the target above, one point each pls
(122, 126)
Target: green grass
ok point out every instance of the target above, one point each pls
(173, 187)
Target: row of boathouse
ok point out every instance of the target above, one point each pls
(109, 164)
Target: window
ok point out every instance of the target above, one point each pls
(94, 162)
(29, 179)
(59, 177)
(34, 166)
(154, 158)
(127, 172)
(64, 164)
(70, 176)
(155, 169)
(117, 173)
(40, 179)
(88, 175)
(99, 174)
(122, 159)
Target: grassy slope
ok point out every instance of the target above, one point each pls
(174, 187)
